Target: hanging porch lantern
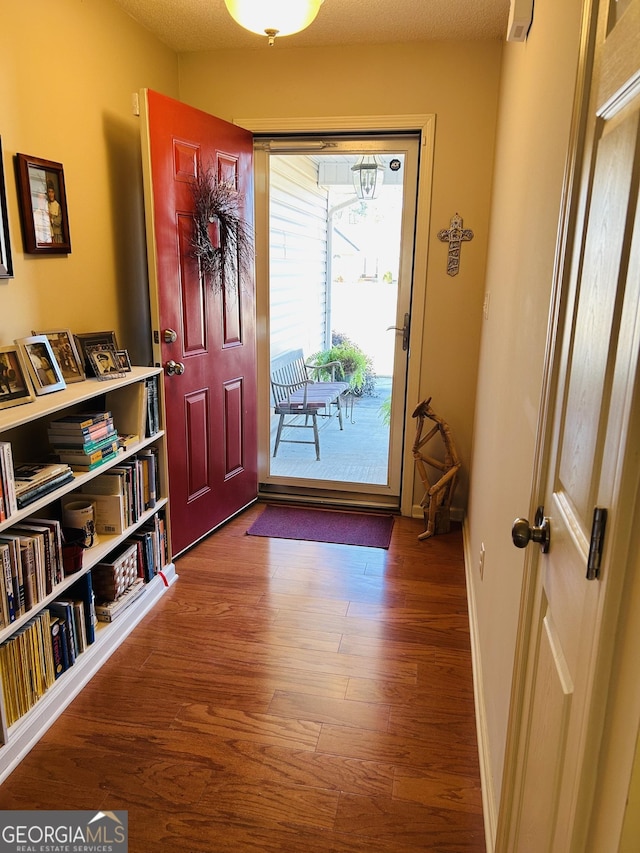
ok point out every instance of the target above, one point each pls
(368, 175)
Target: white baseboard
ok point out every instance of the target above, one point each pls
(486, 777)
(457, 513)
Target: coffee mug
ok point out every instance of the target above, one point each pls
(81, 516)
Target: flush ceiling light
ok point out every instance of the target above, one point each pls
(368, 175)
(273, 17)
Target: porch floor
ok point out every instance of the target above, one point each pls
(356, 454)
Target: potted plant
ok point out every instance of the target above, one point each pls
(355, 365)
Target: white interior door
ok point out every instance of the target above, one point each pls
(568, 622)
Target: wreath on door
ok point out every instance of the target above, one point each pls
(222, 241)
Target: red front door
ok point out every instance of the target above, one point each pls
(211, 404)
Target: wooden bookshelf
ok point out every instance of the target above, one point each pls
(25, 427)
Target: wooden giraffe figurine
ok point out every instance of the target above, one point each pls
(436, 502)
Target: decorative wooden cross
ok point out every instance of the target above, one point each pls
(455, 236)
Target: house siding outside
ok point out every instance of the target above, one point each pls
(298, 256)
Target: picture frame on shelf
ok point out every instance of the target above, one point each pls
(94, 339)
(124, 362)
(43, 368)
(105, 363)
(43, 206)
(6, 263)
(66, 353)
(15, 386)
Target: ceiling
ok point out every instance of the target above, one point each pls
(194, 25)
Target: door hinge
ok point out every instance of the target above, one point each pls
(597, 543)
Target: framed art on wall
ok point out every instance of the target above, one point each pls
(41, 363)
(66, 353)
(15, 387)
(6, 265)
(43, 206)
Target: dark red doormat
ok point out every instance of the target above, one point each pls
(324, 525)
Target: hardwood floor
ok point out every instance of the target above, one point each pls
(283, 696)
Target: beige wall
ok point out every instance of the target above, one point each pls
(533, 132)
(67, 73)
(458, 82)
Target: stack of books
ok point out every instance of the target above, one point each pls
(26, 666)
(108, 611)
(45, 646)
(31, 562)
(84, 441)
(34, 480)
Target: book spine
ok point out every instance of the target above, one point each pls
(78, 466)
(55, 547)
(81, 634)
(153, 423)
(87, 457)
(7, 581)
(83, 453)
(83, 589)
(3, 511)
(70, 443)
(28, 574)
(86, 421)
(149, 458)
(8, 478)
(45, 629)
(4, 603)
(48, 567)
(56, 647)
(13, 543)
(64, 644)
(39, 491)
(43, 535)
(64, 611)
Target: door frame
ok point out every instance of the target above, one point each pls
(614, 715)
(425, 126)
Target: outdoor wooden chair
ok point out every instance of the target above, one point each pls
(300, 399)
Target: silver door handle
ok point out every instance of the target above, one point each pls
(405, 332)
(174, 368)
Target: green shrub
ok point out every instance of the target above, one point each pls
(355, 365)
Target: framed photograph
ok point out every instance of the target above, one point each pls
(94, 339)
(6, 264)
(67, 356)
(41, 363)
(105, 362)
(15, 387)
(124, 362)
(43, 206)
